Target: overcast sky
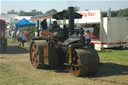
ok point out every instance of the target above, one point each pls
(44, 5)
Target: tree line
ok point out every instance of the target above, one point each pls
(31, 13)
(118, 13)
(35, 12)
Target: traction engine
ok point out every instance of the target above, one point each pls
(64, 47)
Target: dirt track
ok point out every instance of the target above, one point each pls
(16, 69)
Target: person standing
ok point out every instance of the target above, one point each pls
(87, 37)
(13, 36)
(44, 25)
(27, 37)
(19, 37)
(55, 26)
(23, 39)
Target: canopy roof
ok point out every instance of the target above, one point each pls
(58, 16)
(2, 20)
(23, 23)
(61, 15)
(43, 16)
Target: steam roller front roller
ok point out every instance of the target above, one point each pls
(83, 62)
(36, 53)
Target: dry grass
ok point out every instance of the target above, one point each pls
(16, 69)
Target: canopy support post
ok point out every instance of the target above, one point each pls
(38, 31)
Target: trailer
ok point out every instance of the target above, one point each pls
(3, 39)
(108, 32)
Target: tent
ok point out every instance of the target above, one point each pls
(23, 23)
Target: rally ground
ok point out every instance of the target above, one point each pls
(16, 69)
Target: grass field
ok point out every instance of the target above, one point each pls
(117, 56)
(16, 69)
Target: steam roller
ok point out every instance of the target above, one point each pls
(81, 61)
(56, 48)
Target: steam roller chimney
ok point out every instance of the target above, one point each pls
(71, 19)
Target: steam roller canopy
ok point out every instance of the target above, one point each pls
(36, 53)
(84, 62)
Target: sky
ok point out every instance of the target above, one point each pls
(45, 5)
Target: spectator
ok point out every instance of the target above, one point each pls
(55, 26)
(81, 31)
(23, 38)
(27, 37)
(87, 37)
(17, 34)
(36, 34)
(44, 25)
(13, 36)
(19, 37)
(65, 30)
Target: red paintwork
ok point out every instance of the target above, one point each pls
(2, 29)
(2, 20)
(116, 43)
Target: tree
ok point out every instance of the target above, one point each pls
(123, 13)
(76, 8)
(2, 13)
(32, 13)
(39, 12)
(51, 11)
(86, 9)
(21, 13)
(12, 12)
(114, 13)
(104, 14)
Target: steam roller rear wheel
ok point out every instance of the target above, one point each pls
(36, 53)
(84, 62)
